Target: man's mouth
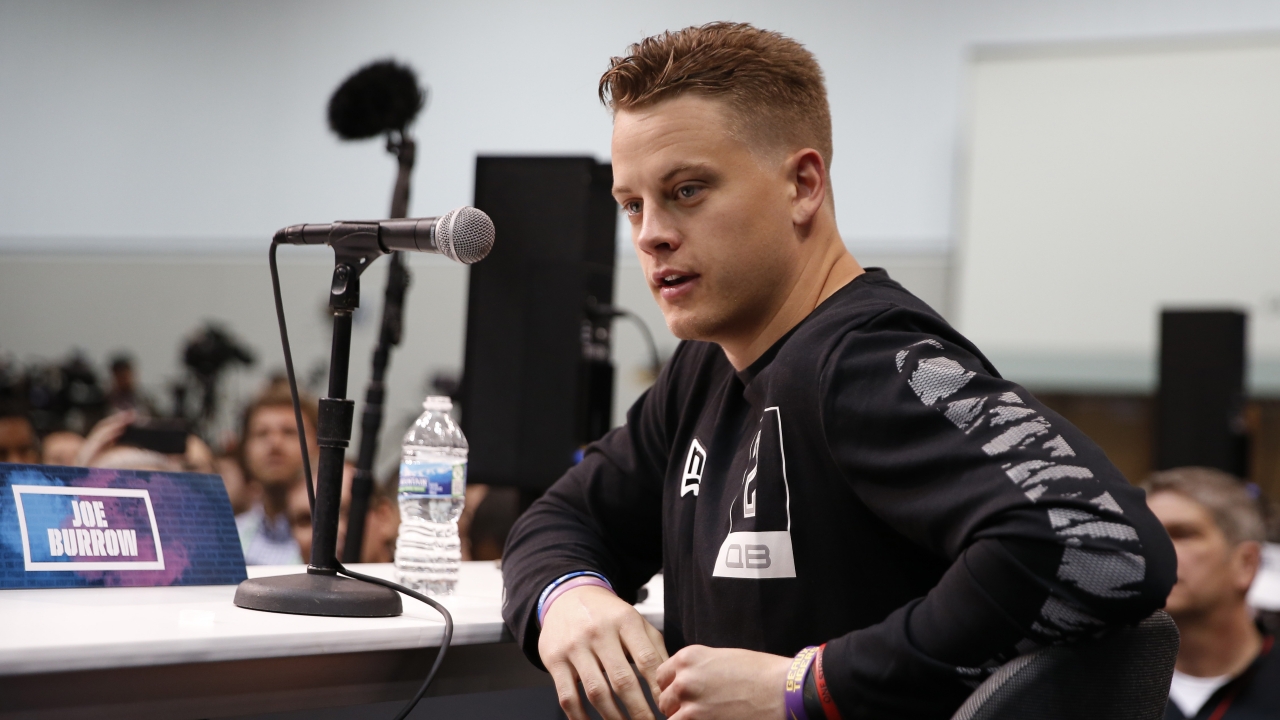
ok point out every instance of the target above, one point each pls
(675, 280)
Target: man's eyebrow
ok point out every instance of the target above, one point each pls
(666, 177)
(685, 168)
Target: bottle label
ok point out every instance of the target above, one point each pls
(434, 479)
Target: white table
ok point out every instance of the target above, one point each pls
(188, 652)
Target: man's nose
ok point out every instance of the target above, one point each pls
(657, 233)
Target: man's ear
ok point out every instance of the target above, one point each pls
(808, 175)
(1246, 560)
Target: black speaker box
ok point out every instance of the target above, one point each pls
(537, 380)
(1200, 403)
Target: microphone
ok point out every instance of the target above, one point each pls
(463, 235)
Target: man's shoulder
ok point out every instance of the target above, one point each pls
(873, 311)
(1262, 693)
(874, 296)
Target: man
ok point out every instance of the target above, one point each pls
(18, 442)
(60, 447)
(272, 460)
(124, 394)
(1226, 666)
(382, 524)
(823, 462)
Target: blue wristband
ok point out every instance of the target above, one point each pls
(561, 580)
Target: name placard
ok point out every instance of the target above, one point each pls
(80, 527)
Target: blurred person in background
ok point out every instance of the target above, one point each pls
(60, 447)
(298, 510)
(491, 521)
(382, 524)
(1227, 668)
(18, 441)
(124, 393)
(241, 495)
(103, 448)
(272, 461)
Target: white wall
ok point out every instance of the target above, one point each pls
(1106, 182)
(201, 124)
(196, 129)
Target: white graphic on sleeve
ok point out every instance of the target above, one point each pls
(759, 554)
(748, 481)
(694, 465)
(1095, 559)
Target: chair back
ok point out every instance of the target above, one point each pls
(1123, 675)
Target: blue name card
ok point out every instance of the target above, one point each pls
(83, 527)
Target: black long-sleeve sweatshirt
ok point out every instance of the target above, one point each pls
(870, 482)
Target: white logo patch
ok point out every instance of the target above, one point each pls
(694, 464)
(756, 555)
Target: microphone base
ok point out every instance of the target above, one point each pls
(317, 594)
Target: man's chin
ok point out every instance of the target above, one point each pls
(687, 325)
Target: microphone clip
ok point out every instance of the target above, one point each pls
(355, 244)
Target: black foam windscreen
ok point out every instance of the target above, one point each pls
(380, 97)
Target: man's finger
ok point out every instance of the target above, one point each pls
(595, 686)
(666, 672)
(659, 641)
(624, 682)
(567, 691)
(647, 654)
(669, 701)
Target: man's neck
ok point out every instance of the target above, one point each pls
(275, 500)
(1222, 642)
(826, 273)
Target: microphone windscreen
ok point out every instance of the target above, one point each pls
(379, 97)
(465, 234)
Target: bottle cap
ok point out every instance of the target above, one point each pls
(437, 402)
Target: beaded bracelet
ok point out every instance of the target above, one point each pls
(794, 691)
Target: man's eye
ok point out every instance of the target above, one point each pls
(686, 192)
(632, 207)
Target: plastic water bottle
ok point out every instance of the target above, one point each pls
(433, 487)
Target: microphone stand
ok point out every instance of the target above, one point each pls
(320, 590)
(403, 147)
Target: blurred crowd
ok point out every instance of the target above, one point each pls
(261, 467)
(1218, 524)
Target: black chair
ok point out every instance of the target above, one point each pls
(1122, 676)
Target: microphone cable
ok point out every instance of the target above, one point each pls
(609, 312)
(311, 497)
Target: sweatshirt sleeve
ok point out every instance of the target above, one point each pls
(604, 515)
(1047, 541)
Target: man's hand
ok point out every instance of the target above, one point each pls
(588, 634)
(702, 683)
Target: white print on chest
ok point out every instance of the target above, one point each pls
(761, 554)
(694, 465)
(748, 480)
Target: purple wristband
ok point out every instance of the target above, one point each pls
(567, 585)
(794, 691)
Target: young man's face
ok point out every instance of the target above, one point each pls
(271, 452)
(1211, 572)
(711, 219)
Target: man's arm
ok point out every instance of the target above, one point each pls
(1047, 540)
(603, 516)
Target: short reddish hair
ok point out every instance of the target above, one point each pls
(771, 83)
